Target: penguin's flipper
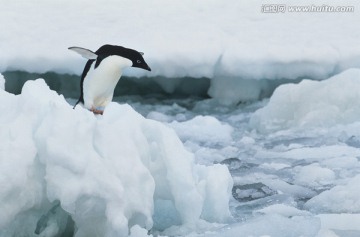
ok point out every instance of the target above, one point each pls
(86, 53)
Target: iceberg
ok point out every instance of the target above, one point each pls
(65, 169)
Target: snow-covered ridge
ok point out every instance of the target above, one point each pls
(232, 42)
(108, 173)
(312, 104)
(213, 39)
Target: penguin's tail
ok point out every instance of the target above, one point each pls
(77, 103)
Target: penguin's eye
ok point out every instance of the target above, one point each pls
(138, 61)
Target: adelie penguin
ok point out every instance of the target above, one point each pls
(103, 71)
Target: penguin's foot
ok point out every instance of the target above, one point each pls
(97, 111)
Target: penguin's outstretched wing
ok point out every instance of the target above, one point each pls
(86, 53)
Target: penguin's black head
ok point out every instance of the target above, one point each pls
(131, 54)
(139, 61)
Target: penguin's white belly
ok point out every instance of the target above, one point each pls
(100, 82)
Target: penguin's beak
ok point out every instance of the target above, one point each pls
(147, 68)
(142, 66)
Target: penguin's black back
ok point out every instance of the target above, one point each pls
(83, 75)
(108, 50)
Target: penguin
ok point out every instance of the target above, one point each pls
(103, 71)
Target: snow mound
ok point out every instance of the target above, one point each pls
(311, 104)
(314, 176)
(203, 129)
(104, 174)
(328, 201)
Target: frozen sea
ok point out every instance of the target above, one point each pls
(292, 180)
(247, 125)
(294, 169)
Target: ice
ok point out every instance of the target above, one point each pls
(283, 210)
(274, 183)
(158, 116)
(285, 183)
(317, 153)
(292, 172)
(314, 176)
(223, 41)
(341, 223)
(205, 129)
(326, 233)
(106, 173)
(249, 192)
(230, 90)
(329, 201)
(2, 82)
(312, 104)
(293, 158)
(55, 221)
(270, 225)
(137, 231)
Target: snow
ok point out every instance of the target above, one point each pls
(340, 221)
(329, 200)
(271, 225)
(314, 176)
(108, 172)
(137, 231)
(284, 183)
(321, 153)
(230, 90)
(2, 82)
(283, 210)
(233, 43)
(312, 104)
(203, 129)
(293, 158)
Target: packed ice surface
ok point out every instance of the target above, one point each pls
(108, 173)
(231, 42)
(204, 129)
(294, 159)
(286, 181)
(293, 176)
(328, 200)
(312, 104)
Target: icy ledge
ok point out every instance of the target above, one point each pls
(108, 173)
(312, 104)
(2, 82)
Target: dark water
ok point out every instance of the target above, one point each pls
(69, 85)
